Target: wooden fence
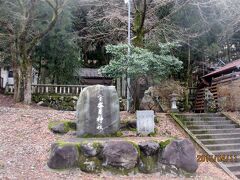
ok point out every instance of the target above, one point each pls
(51, 89)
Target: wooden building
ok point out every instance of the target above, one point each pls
(90, 76)
(224, 84)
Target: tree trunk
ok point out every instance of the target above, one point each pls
(17, 75)
(188, 77)
(18, 91)
(138, 24)
(135, 91)
(28, 85)
(137, 100)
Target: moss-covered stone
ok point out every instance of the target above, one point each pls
(63, 156)
(116, 134)
(59, 102)
(94, 164)
(163, 144)
(156, 119)
(72, 125)
(136, 146)
(62, 126)
(91, 149)
(61, 143)
(90, 164)
(128, 126)
(153, 134)
(120, 171)
(97, 145)
(148, 164)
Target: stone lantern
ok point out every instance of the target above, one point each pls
(174, 102)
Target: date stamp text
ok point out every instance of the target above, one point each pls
(217, 158)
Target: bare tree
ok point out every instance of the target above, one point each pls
(24, 23)
(224, 12)
(106, 20)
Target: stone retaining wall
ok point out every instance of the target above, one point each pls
(123, 157)
(63, 102)
(58, 102)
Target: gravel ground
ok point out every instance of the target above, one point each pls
(25, 144)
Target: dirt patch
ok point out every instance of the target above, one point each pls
(7, 101)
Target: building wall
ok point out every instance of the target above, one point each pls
(229, 96)
(4, 75)
(6, 79)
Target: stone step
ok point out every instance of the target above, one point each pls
(226, 152)
(226, 126)
(218, 135)
(223, 146)
(234, 160)
(208, 122)
(205, 118)
(216, 131)
(234, 166)
(201, 115)
(221, 141)
(237, 173)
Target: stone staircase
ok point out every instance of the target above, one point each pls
(217, 135)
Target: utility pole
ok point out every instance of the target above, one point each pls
(129, 52)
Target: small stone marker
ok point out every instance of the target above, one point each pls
(98, 111)
(145, 122)
(174, 102)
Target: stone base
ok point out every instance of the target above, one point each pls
(174, 110)
(118, 156)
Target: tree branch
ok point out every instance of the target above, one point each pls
(143, 13)
(57, 9)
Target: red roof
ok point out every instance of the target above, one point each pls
(230, 66)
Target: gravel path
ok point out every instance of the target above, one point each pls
(25, 143)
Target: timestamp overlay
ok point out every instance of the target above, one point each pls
(218, 158)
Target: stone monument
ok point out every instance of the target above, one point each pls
(145, 122)
(98, 111)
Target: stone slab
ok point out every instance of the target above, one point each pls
(145, 122)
